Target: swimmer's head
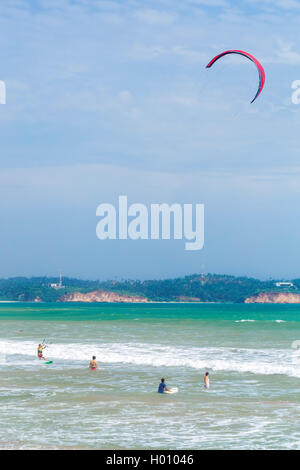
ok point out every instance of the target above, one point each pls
(94, 357)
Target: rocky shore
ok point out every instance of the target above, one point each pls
(101, 296)
(274, 298)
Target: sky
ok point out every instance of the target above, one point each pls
(109, 98)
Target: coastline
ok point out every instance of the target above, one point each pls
(152, 302)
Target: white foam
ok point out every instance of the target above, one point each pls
(252, 321)
(242, 321)
(257, 361)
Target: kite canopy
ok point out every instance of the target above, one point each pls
(261, 72)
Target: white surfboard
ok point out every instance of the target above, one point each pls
(172, 390)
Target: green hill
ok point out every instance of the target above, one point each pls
(208, 288)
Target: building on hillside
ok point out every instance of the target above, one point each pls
(58, 285)
(284, 284)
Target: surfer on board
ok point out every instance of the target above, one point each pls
(40, 351)
(162, 387)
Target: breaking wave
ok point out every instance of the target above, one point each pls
(256, 361)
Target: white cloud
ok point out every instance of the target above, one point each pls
(210, 3)
(155, 17)
(191, 55)
(125, 96)
(184, 101)
(145, 52)
(284, 53)
(284, 4)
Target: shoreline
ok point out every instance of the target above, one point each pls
(116, 303)
(154, 302)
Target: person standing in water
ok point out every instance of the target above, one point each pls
(206, 381)
(162, 387)
(93, 363)
(40, 351)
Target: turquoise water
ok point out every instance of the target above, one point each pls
(253, 402)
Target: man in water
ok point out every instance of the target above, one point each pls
(93, 363)
(162, 387)
(40, 351)
(206, 381)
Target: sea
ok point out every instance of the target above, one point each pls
(251, 351)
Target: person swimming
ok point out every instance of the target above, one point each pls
(162, 387)
(40, 351)
(93, 363)
(206, 381)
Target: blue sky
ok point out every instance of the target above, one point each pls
(112, 97)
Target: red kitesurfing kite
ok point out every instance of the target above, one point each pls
(261, 72)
